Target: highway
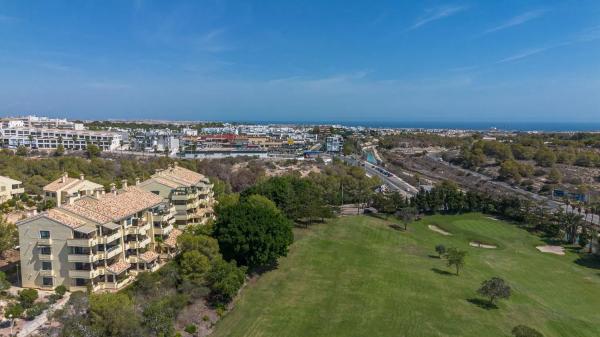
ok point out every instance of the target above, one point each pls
(553, 205)
(392, 181)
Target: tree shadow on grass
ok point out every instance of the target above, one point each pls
(483, 304)
(588, 261)
(442, 272)
(397, 227)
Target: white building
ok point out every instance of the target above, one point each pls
(9, 188)
(334, 143)
(42, 138)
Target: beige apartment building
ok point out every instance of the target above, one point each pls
(189, 192)
(66, 189)
(9, 188)
(98, 242)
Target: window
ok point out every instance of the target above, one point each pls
(80, 282)
(45, 250)
(45, 234)
(156, 192)
(47, 281)
(46, 265)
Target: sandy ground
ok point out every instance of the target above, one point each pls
(481, 245)
(558, 250)
(438, 230)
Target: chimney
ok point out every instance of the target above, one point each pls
(113, 188)
(70, 200)
(98, 193)
(124, 184)
(64, 177)
(81, 176)
(137, 181)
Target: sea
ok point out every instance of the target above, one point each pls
(592, 126)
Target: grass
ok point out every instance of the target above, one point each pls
(356, 276)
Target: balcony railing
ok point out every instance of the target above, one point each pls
(82, 242)
(86, 258)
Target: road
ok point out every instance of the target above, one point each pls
(553, 205)
(392, 181)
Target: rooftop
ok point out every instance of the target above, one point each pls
(180, 176)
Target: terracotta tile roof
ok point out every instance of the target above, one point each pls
(180, 175)
(148, 256)
(65, 218)
(71, 183)
(167, 182)
(118, 267)
(79, 209)
(58, 184)
(171, 240)
(114, 207)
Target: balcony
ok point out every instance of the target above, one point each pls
(112, 237)
(139, 230)
(47, 272)
(184, 196)
(44, 242)
(45, 257)
(86, 258)
(87, 274)
(113, 251)
(138, 244)
(91, 242)
(164, 230)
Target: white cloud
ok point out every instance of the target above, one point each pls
(437, 14)
(517, 20)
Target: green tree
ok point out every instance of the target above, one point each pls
(194, 266)
(253, 232)
(554, 176)
(113, 314)
(441, 250)
(224, 280)
(8, 235)
(407, 215)
(22, 151)
(27, 297)
(60, 150)
(545, 157)
(92, 150)
(4, 284)
(456, 258)
(494, 288)
(14, 310)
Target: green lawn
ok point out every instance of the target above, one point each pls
(355, 276)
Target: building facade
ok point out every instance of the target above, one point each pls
(97, 242)
(189, 192)
(9, 188)
(66, 189)
(43, 138)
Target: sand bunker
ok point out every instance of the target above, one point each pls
(481, 245)
(558, 250)
(438, 230)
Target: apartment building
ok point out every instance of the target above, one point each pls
(44, 138)
(188, 191)
(9, 188)
(98, 242)
(40, 122)
(66, 189)
(334, 143)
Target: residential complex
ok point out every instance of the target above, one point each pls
(47, 139)
(66, 189)
(100, 241)
(9, 188)
(189, 192)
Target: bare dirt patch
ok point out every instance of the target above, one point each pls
(557, 250)
(438, 230)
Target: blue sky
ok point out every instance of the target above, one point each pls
(517, 61)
